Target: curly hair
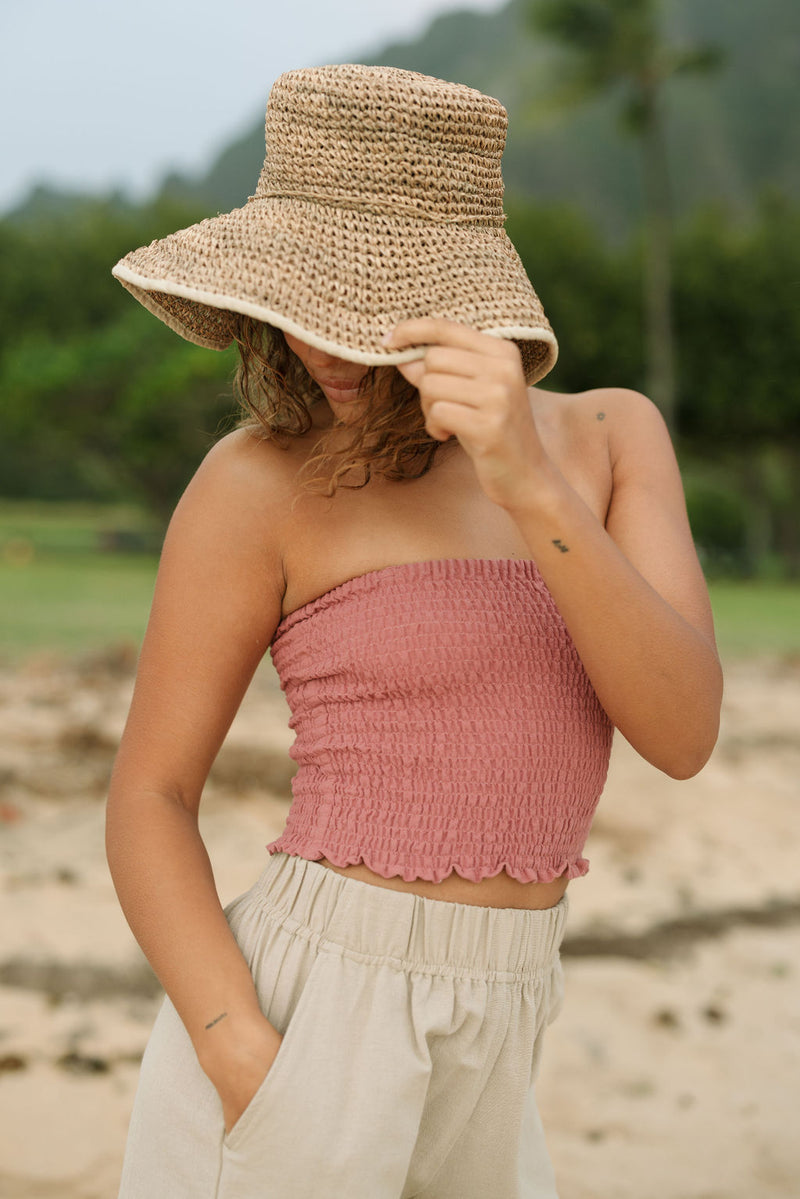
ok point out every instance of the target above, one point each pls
(276, 392)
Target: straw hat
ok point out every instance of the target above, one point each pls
(380, 199)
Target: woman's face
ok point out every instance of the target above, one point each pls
(338, 379)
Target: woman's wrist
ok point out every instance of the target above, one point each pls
(231, 1034)
(543, 491)
(237, 1062)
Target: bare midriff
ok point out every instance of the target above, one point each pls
(502, 891)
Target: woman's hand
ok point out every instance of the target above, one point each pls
(472, 386)
(629, 589)
(237, 1064)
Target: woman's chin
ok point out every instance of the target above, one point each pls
(347, 410)
(341, 398)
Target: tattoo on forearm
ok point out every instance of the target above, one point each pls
(601, 416)
(559, 544)
(217, 1019)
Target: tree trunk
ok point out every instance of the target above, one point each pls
(659, 334)
(759, 533)
(786, 505)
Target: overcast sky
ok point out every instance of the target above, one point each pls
(103, 93)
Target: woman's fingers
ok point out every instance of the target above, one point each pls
(435, 331)
(471, 386)
(472, 393)
(445, 360)
(412, 372)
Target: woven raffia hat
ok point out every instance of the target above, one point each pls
(380, 199)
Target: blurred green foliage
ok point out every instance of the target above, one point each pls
(737, 316)
(737, 309)
(100, 401)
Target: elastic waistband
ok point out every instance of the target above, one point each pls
(412, 932)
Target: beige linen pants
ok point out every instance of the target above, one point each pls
(412, 1038)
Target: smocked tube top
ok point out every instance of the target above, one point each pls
(443, 721)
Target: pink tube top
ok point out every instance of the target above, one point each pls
(443, 721)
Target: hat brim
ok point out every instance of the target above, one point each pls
(338, 279)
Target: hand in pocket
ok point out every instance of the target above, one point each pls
(241, 1065)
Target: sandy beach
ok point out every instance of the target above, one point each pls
(673, 1069)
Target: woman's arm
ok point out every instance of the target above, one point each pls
(217, 602)
(631, 593)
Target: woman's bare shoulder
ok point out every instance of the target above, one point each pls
(625, 420)
(244, 458)
(216, 606)
(235, 505)
(598, 403)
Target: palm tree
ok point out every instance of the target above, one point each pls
(618, 44)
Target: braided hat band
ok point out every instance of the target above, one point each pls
(380, 199)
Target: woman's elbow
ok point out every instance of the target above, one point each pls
(686, 755)
(695, 729)
(688, 767)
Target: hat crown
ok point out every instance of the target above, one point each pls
(385, 141)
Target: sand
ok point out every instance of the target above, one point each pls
(673, 1070)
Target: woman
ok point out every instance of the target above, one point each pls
(481, 579)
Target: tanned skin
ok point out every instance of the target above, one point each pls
(616, 555)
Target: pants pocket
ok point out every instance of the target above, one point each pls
(250, 1113)
(271, 1122)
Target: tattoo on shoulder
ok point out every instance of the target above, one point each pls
(559, 544)
(601, 416)
(217, 1019)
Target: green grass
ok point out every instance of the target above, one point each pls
(73, 604)
(82, 602)
(63, 528)
(60, 587)
(756, 618)
(58, 591)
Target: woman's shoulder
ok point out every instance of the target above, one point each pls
(605, 439)
(247, 475)
(598, 403)
(238, 496)
(244, 456)
(623, 419)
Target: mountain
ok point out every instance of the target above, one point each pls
(730, 135)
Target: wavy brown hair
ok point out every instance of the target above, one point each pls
(276, 393)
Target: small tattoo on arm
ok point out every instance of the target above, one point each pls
(217, 1020)
(601, 416)
(559, 544)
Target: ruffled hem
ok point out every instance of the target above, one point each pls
(429, 871)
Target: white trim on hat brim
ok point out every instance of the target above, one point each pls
(246, 308)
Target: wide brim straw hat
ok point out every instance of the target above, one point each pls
(380, 199)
